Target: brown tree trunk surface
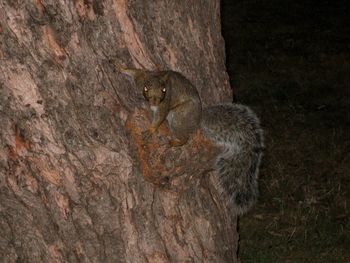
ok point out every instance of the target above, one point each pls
(77, 183)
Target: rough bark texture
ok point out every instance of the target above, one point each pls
(72, 162)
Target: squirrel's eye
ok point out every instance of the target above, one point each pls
(164, 90)
(145, 88)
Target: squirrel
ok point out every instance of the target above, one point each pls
(170, 96)
(235, 127)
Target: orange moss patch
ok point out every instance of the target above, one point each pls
(159, 162)
(143, 148)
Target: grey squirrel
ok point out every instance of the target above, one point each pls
(235, 127)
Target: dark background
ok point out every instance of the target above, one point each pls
(290, 61)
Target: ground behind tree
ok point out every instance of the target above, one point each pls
(290, 61)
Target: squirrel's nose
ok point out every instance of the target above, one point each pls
(154, 101)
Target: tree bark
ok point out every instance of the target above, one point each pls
(77, 182)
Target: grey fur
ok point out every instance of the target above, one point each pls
(237, 129)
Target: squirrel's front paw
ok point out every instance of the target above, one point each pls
(147, 134)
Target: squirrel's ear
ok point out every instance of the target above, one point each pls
(164, 77)
(134, 74)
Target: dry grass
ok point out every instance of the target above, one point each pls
(291, 63)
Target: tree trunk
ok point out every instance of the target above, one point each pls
(77, 184)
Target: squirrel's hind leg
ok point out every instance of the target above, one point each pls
(183, 121)
(177, 142)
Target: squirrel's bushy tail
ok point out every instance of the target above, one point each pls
(237, 129)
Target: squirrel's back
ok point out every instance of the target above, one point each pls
(237, 129)
(182, 89)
